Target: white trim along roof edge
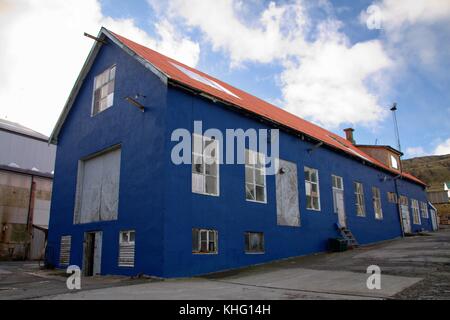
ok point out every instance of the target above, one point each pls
(103, 34)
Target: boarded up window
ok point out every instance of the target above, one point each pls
(288, 213)
(64, 250)
(127, 248)
(254, 242)
(98, 188)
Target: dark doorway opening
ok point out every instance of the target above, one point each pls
(92, 253)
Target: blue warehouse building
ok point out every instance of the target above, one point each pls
(122, 205)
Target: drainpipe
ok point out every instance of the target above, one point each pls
(398, 205)
(30, 215)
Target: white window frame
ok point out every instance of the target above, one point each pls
(107, 70)
(394, 162)
(416, 212)
(376, 199)
(392, 197)
(335, 186)
(424, 210)
(360, 202)
(403, 201)
(128, 233)
(208, 241)
(254, 162)
(247, 249)
(308, 185)
(205, 161)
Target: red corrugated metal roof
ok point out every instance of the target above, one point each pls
(248, 102)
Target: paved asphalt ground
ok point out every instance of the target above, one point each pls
(411, 268)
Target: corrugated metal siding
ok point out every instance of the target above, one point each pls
(126, 255)
(438, 196)
(64, 253)
(26, 152)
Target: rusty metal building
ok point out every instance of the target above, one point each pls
(26, 178)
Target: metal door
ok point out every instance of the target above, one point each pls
(340, 208)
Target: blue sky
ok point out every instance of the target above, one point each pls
(317, 59)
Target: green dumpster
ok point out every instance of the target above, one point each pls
(337, 244)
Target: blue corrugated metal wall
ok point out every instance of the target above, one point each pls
(155, 195)
(141, 136)
(231, 215)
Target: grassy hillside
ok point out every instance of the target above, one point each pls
(434, 170)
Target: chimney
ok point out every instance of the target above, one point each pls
(349, 135)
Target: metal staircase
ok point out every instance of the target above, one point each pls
(348, 236)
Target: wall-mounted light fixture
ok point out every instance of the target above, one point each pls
(135, 103)
(316, 146)
(283, 170)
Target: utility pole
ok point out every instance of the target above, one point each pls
(397, 191)
(394, 115)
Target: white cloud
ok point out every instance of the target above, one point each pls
(328, 85)
(395, 14)
(412, 152)
(43, 49)
(414, 30)
(324, 78)
(277, 33)
(443, 148)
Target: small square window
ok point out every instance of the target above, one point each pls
(204, 241)
(392, 197)
(254, 242)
